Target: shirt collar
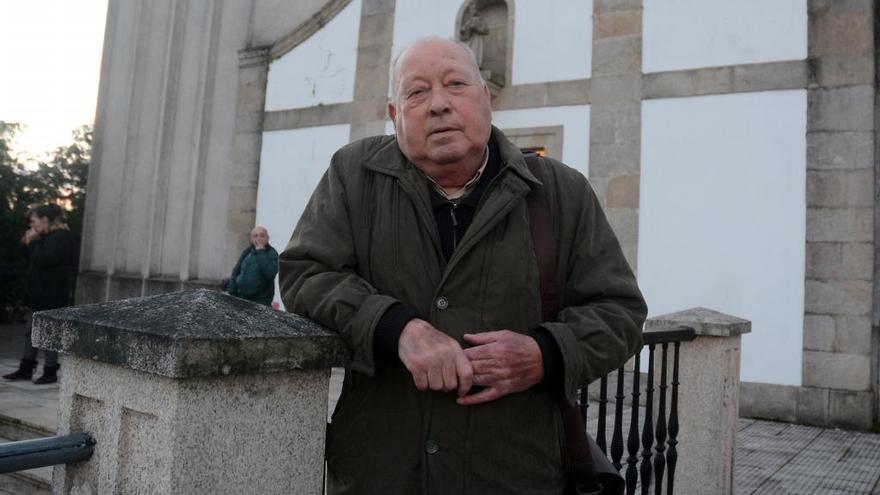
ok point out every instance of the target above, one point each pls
(465, 189)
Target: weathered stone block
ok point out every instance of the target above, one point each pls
(618, 88)
(617, 23)
(850, 409)
(376, 30)
(841, 109)
(771, 76)
(836, 370)
(852, 334)
(668, 84)
(840, 188)
(812, 407)
(623, 192)
(770, 401)
(601, 6)
(840, 32)
(608, 160)
(840, 261)
(574, 92)
(713, 80)
(838, 297)
(615, 123)
(373, 7)
(613, 56)
(844, 71)
(839, 224)
(840, 150)
(819, 333)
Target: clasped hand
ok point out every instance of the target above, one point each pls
(503, 362)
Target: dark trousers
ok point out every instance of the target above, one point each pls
(30, 352)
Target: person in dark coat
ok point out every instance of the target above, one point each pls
(50, 265)
(253, 277)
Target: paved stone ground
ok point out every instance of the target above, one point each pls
(771, 458)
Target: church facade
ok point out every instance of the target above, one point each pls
(733, 145)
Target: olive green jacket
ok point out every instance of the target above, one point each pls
(368, 239)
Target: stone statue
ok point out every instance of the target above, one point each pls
(474, 31)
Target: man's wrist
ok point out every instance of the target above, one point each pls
(554, 366)
(386, 338)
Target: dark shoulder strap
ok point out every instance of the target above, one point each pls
(544, 241)
(583, 478)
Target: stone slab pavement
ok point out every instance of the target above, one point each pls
(771, 458)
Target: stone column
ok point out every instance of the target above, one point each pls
(708, 398)
(369, 107)
(616, 116)
(840, 244)
(192, 392)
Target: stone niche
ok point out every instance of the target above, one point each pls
(486, 27)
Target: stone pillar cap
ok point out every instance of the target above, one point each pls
(703, 320)
(189, 334)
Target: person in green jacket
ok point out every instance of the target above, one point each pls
(253, 277)
(416, 248)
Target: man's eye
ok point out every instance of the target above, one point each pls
(414, 92)
(457, 84)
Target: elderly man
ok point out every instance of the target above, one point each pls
(253, 277)
(417, 249)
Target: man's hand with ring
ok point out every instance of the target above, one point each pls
(436, 360)
(504, 362)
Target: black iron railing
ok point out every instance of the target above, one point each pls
(42, 452)
(659, 433)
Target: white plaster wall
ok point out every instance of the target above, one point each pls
(723, 215)
(686, 34)
(552, 40)
(321, 69)
(292, 163)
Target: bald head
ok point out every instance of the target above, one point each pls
(416, 47)
(259, 237)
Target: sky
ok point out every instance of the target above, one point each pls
(49, 69)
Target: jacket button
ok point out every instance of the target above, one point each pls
(431, 447)
(442, 303)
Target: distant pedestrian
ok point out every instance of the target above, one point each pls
(50, 249)
(253, 277)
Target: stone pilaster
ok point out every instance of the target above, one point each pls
(840, 249)
(616, 116)
(242, 214)
(369, 108)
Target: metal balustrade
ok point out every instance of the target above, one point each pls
(42, 452)
(659, 433)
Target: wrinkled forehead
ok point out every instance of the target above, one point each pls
(423, 58)
(258, 231)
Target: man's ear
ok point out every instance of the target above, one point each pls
(392, 113)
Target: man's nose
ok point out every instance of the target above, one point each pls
(439, 101)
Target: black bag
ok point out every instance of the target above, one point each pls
(589, 472)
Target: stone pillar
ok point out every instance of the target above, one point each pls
(192, 392)
(616, 116)
(837, 384)
(708, 398)
(369, 107)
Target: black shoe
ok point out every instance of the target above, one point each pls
(25, 370)
(50, 375)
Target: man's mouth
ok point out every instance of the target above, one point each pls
(441, 130)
